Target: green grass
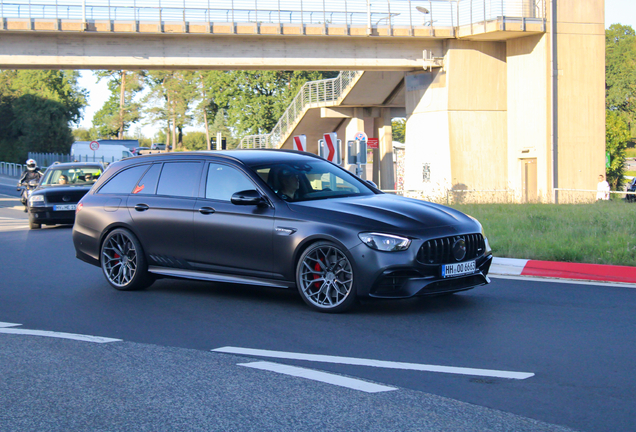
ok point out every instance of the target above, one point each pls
(599, 233)
(630, 152)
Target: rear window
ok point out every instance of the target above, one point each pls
(180, 179)
(124, 181)
(148, 183)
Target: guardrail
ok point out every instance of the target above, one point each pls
(372, 14)
(46, 159)
(312, 93)
(11, 169)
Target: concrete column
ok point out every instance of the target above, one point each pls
(383, 163)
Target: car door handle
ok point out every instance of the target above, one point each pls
(141, 207)
(206, 210)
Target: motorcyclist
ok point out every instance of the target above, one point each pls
(32, 172)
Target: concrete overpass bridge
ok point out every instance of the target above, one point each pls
(497, 94)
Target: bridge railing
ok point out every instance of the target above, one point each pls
(312, 93)
(373, 14)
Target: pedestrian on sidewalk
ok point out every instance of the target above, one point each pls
(602, 189)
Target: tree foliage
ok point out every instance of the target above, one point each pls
(36, 107)
(616, 138)
(620, 70)
(120, 110)
(398, 127)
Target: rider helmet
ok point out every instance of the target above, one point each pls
(31, 164)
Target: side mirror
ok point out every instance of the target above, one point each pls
(33, 183)
(247, 197)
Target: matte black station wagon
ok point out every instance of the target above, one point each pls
(273, 218)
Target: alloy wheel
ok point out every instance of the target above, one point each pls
(119, 259)
(325, 277)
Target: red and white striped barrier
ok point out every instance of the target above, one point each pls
(564, 270)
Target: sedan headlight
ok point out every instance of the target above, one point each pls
(481, 228)
(385, 242)
(36, 198)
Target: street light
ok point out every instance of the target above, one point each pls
(424, 11)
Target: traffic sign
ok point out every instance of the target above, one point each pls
(329, 148)
(373, 143)
(360, 136)
(300, 143)
(94, 145)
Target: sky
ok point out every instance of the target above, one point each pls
(616, 11)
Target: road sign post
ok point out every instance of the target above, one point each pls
(94, 145)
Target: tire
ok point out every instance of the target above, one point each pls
(324, 277)
(33, 225)
(123, 261)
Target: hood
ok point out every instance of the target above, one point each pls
(387, 213)
(47, 189)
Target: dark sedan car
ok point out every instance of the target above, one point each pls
(273, 218)
(62, 186)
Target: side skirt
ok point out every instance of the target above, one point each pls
(218, 277)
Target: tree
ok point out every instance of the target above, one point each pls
(120, 110)
(171, 95)
(616, 138)
(255, 100)
(398, 126)
(36, 109)
(620, 71)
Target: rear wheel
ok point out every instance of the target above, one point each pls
(324, 276)
(123, 261)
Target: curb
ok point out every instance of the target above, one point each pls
(563, 270)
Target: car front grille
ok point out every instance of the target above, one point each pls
(72, 197)
(440, 251)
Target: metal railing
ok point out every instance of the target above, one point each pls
(46, 159)
(11, 169)
(311, 95)
(371, 14)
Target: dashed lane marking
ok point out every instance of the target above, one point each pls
(8, 328)
(324, 377)
(11, 224)
(375, 363)
(6, 324)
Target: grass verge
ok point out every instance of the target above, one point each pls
(599, 233)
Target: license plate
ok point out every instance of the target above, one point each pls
(64, 207)
(452, 270)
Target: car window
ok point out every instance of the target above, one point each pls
(78, 175)
(224, 181)
(179, 179)
(148, 183)
(312, 180)
(124, 181)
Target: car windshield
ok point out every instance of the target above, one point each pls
(310, 180)
(71, 176)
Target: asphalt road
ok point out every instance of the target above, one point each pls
(577, 340)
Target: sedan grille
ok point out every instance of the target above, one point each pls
(440, 251)
(72, 197)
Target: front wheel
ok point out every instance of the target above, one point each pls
(33, 224)
(324, 276)
(123, 261)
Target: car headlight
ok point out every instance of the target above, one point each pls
(36, 198)
(385, 242)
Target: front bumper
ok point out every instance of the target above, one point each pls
(400, 275)
(46, 215)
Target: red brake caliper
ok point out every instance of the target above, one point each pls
(317, 268)
(116, 255)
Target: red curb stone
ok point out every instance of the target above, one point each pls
(596, 272)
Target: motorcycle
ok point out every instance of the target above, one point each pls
(631, 188)
(26, 190)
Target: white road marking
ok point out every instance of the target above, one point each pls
(564, 281)
(9, 224)
(375, 363)
(5, 325)
(324, 377)
(59, 335)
